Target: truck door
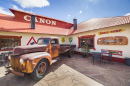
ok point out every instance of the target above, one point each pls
(54, 48)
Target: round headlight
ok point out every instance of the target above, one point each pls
(9, 57)
(21, 61)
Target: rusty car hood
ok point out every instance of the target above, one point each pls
(32, 56)
(20, 50)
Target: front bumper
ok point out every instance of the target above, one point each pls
(8, 70)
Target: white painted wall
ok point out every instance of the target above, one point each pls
(124, 48)
(26, 37)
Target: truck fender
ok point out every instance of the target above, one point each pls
(37, 58)
(34, 58)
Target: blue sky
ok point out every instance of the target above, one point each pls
(66, 10)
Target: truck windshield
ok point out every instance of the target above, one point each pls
(43, 41)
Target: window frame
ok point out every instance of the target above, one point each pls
(55, 44)
(5, 36)
(87, 36)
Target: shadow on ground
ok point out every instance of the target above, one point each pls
(14, 80)
(107, 74)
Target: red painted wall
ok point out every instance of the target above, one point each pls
(19, 16)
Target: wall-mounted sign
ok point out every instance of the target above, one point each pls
(112, 31)
(117, 40)
(114, 52)
(70, 39)
(62, 39)
(31, 41)
(40, 20)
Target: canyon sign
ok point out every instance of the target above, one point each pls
(40, 20)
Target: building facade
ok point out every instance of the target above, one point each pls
(101, 34)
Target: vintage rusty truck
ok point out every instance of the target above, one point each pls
(36, 59)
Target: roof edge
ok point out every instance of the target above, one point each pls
(13, 10)
(95, 29)
(102, 18)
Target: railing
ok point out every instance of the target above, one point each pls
(4, 57)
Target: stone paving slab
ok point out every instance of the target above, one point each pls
(66, 76)
(107, 74)
(63, 76)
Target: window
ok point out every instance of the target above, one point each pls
(43, 41)
(9, 42)
(89, 40)
(54, 41)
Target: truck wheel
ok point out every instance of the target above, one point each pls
(70, 53)
(40, 70)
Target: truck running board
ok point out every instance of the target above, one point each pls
(55, 59)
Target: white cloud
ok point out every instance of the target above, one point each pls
(94, 1)
(16, 8)
(128, 14)
(68, 16)
(32, 3)
(5, 12)
(91, 0)
(80, 12)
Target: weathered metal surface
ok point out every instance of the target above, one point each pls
(41, 68)
(29, 49)
(31, 55)
(14, 72)
(66, 47)
(29, 61)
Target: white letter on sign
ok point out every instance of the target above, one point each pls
(27, 18)
(48, 21)
(42, 20)
(53, 23)
(36, 19)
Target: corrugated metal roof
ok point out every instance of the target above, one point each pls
(8, 23)
(99, 23)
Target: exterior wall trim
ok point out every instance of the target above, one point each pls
(115, 59)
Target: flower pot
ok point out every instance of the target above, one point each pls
(84, 55)
(127, 61)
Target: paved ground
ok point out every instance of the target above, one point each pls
(107, 74)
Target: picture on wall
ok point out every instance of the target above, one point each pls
(62, 39)
(70, 39)
(114, 52)
(117, 40)
(112, 31)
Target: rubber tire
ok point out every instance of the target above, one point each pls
(35, 75)
(70, 54)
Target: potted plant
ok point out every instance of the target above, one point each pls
(85, 50)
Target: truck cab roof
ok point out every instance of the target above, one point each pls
(50, 37)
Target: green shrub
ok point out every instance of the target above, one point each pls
(85, 49)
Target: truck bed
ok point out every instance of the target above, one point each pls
(66, 47)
